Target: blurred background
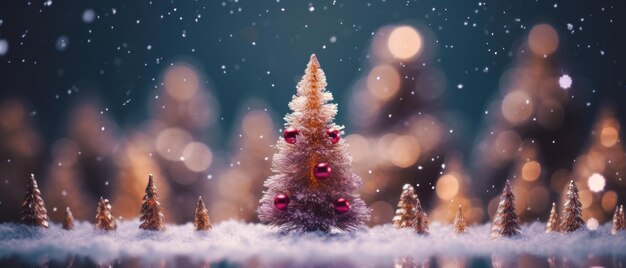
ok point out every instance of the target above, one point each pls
(454, 97)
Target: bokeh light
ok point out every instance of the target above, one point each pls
(596, 182)
(170, 143)
(609, 136)
(197, 156)
(517, 107)
(181, 82)
(543, 39)
(531, 171)
(447, 186)
(383, 82)
(404, 151)
(404, 42)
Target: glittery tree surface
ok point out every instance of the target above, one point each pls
(151, 212)
(506, 221)
(312, 199)
(34, 211)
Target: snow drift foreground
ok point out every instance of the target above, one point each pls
(239, 242)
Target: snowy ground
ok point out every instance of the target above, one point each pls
(238, 242)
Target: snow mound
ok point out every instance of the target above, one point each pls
(239, 242)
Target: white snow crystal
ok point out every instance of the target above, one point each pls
(238, 242)
(62, 43)
(565, 81)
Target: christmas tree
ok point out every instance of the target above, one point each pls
(459, 222)
(571, 218)
(553, 221)
(405, 214)
(618, 220)
(151, 212)
(68, 221)
(410, 213)
(201, 221)
(104, 218)
(505, 222)
(313, 186)
(34, 211)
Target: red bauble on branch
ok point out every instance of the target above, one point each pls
(281, 201)
(322, 171)
(333, 135)
(342, 205)
(290, 135)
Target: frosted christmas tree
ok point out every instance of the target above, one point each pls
(104, 219)
(201, 221)
(506, 221)
(572, 219)
(459, 222)
(553, 221)
(151, 211)
(312, 188)
(34, 211)
(410, 213)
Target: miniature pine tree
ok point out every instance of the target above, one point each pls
(571, 216)
(410, 213)
(312, 188)
(202, 222)
(459, 222)
(553, 221)
(506, 222)
(151, 212)
(618, 220)
(406, 213)
(104, 218)
(34, 211)
(68, 222)
(421, 222)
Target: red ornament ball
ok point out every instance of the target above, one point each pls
(342, 206)
(290, 135)
(322, 171)
(333, 135)
(281, 201)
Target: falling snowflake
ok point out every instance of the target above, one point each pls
(565, 81)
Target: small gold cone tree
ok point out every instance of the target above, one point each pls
(553, 221)
(68, 221)
(506, 221)
(459, 222)
(312, 188)
(34, 211)
(151, 211)
(410, 213)
(571, 215)
(201, 221)
(104, 218)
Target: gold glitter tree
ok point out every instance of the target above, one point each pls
(459, 222)
(571, 217)
(68, 221)
(104, 218)
(405, 214)
(202, 222)
(34, 211)
(151, 212)
(410, 213)
(553, 221)
(506, 221)
(618, 220)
